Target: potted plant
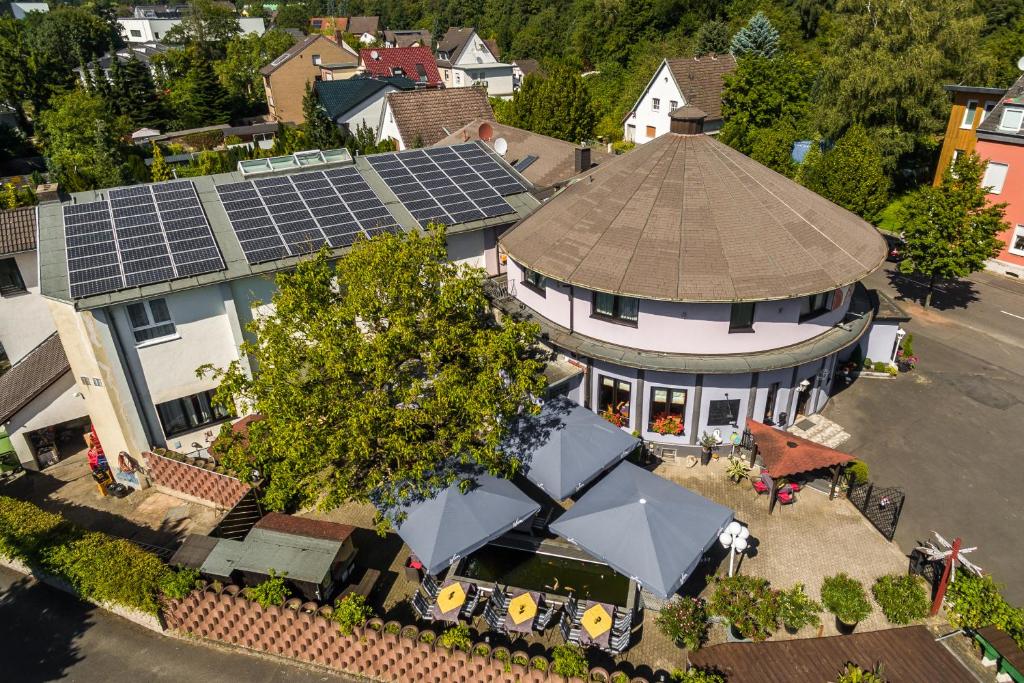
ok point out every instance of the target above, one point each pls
(351, 612)
(747, 602)
(501, 654)
(482, 650)
(844, 596)
(737, 470)
(539, 663)
(797, 609)
(902, 597)
(685, 621)
(569, 661)
(620, 677)
(427, 636)
(520, 661)
(456, 638)
(668, 425)
(708, 443)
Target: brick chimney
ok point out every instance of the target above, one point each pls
(582, 159)
(687, 120)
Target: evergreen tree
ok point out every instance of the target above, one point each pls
(951, 230)
(758, 38)
(712, 38)
(321, 132)
(557, 104)
(851, 174)
(99, 84)
(199, 99)
(133, 94)
(159, 171)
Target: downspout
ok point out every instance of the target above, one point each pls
(572, 307)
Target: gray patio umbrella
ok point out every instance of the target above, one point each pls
(644, 527)
(566, 446)
(453, 524)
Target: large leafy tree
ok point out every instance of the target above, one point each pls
(555, 104)
(765, 94)
(758, 38)
(132, 94)
(197, 98)
(852, 174)
(83, 142)
(239, 71)
(951, 230)
(377, 376)
(207, 25)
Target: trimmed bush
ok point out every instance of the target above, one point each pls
(797, 609)
(844, 597)
(98, 566)
(854, 674)
(569, 660)
(858, 471)
(748, 603)
(685, 621)
(270, 592)
(178, 583)
(351, 611)
(696, 675)
(902, 598)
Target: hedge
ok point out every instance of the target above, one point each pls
(100, 567)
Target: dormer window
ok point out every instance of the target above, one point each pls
(1012, 119)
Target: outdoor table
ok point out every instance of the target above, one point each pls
(450, 600)
(522, 611)
(597, 624)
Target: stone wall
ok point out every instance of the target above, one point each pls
(195, 482)
(307, 635)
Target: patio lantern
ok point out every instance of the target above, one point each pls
(734, 539)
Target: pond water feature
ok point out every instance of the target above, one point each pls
(546, 573)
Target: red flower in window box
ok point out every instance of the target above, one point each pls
(617, 415)
(668, 425)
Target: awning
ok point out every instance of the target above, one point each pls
(645, 527)
(453, 524)
(785, 454)
(567, 446)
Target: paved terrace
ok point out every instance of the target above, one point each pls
(803, 542)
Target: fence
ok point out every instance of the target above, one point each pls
(880, 505)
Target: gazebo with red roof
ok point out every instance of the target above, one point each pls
(415, 63)
(785, 455)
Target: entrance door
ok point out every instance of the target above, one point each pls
(630, 132)
(802, 398)
(769, 405)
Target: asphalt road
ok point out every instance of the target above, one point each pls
(949, 433)
(47, 635)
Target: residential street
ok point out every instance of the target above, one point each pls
(947, 433)
(47, 635)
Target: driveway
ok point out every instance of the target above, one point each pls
(948, 433)
(46, 635)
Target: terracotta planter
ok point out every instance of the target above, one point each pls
(231, 590)
(844, 628)
(482, 651)
(375, 624)
(501, 657)
(325, 611)
(600, 675)
(391, 631)
(520, 662)
(540, 663)
(410, 633)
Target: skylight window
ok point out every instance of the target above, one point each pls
(1012, 119)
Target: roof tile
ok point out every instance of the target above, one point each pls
(27, 378)
(701, 80)
(18, 230)
(415, 63)
(427, 116)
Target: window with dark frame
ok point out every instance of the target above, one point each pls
(190, 413)
(815, 305)
(150, 320)
(769, 404)
(741, 317)
(613, 394)
(723, 412)
(534, 281)
(616, 308)
(666, 402)
(11, 281)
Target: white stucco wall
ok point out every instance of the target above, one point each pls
(388, 127)
(25, 319)
(368, 113)
(674, 327)
(468, 248)
(879, 344)
(663, 87)
(56, 404)
(497, 76)
(156, 29)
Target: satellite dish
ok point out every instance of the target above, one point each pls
(501, 146)
(485, 131)
(374, 55)
(1020, 63)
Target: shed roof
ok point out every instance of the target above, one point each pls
(786, 454)
(415, 63)
(18, 230)
(38, 369)
(303, 526)
(908, 655)
(428, 116)
(687, 218)
(302, 558)
(1005, 645)
(338, 97)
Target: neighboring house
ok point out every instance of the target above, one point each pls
(143, 52)
(19, 10)
(688, 81)
(465, 59)
(685, 279)
(367, 29)
(414, 63)
(411, 38)
(970, 107)
(138, 345)
(1001, 144)
(358, 101)
(150, 23)
(521, 68)
(286, 77)
(423, 117)
(329, 26)
(548, 163)
(38, 405)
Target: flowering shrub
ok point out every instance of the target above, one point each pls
(668, 425)
(685, 621)
(617, 415)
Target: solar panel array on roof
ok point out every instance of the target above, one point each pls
(296, 214)
(138, 236)
(448, 185)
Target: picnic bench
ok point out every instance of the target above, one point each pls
(365, 584)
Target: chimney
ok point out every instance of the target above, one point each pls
(47, 192)
(582, 159)
(687, 120)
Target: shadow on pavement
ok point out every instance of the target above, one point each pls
(38, 635)
(949, 294)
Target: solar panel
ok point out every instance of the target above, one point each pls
(450, 185)
(297, 214)
(139, 235)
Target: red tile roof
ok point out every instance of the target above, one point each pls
(415, 63)
(786, 454)
(302, 526)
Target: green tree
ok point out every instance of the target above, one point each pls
(10, 197)
(762, 94)
(556, 104)
(16, 68)
(83, 142)
(379, 389)
(207, 26)
(245, 55)
(293, 15)
(713, 38)
(198, 99)
(851, 174)
(321, 131)
(773, 147)
(951, 230)
(758, 38)
(132, 94)
(159, 171)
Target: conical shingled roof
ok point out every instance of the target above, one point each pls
(687, 218)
